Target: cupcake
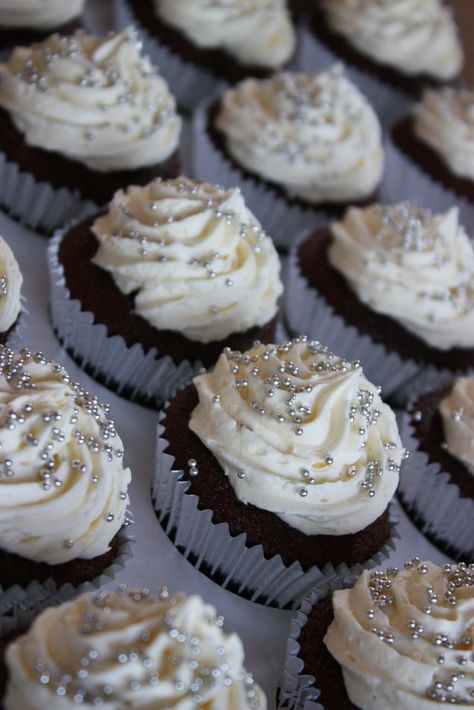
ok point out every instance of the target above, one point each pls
(198, 45)
(293, 141)
(395, 639)
(408, 44)
(148, 292)
(437, 486)
(11, 281)
(439, 137)
(80, 117)
(63, 485)
(392, 286)
(26, 21)
(284, 460)
(130, 648)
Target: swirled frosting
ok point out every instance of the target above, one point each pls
(404, 639)
(94, 100)
(196, 257)
(63, 485)
(445, 121)
(313, 134)
(457, 412)
(411, 265)
(414, 36)
(130, 649)
(38, 14)
(10, 287)
(255, 32)
(301, 433)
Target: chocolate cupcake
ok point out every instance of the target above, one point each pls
(437, 486)
(292, 141)
(198, 45)
(11, 316)
(408, 44)
(23, 22)
(81, 117)
(395, 639)
(284, 460)
(63, 483)
(392, 286)
(130, 648)
(149, 292)
(439, 137)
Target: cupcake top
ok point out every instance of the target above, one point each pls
(130, 649)
(404, 639)
(38, 14)
(63, 485)
(94, 100)
(445, 121)
(457, 412)
(10, 287)
(413, 36)
(196, 257)
(301, 433)
(314, 134)
(254, 32)
(411, 265)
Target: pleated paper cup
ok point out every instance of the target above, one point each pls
(225, 558)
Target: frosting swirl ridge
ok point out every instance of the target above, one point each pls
(314, 134)
(196, 256)
(411, 265)
(255, 32)
(94, 100)
(63, 485)
(404, 638)
(38, 14)
(301, 433)
(10, 287)
(130, 649)
(414, 36)
(457, 412)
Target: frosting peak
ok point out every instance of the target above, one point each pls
(315, 134)
(196, 256)
(457, 411)
(94, 100)
(411, 265)
(10, 287)
(301, 433)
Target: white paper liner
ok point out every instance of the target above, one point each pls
(434, 501)
(280, 219)
(140, 376)
(16, 599)
(211, 548)
(188, 82)
(39, 205)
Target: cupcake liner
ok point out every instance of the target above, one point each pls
(211, 548)
(129, 371)
(389, 103)
(38, 205)
(435, 503)
(280, 218)
(37, 595)
(188, 82)
(15, 338)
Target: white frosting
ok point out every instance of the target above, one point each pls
(38, 14)
(414, 36)
(94, 100)
(404, 639)
(63, 485)
(255, 32)
(314, 134)
(413, 266)
(302, 434)
(10, 287)
(130, 649)
(457, 411)
(445, 121)
(197, 257)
